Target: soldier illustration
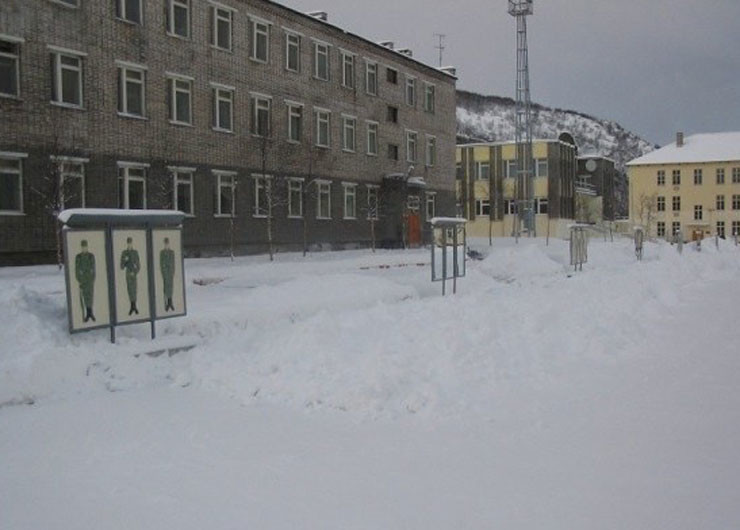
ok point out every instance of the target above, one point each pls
(85, 275)
(167, 268)
(131, 264)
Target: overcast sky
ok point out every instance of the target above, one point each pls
(655, 66)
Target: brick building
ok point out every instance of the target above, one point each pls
(228, 111)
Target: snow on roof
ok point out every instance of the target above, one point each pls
(706, 147)
(448, 220)
(89, 216)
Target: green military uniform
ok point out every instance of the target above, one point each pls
(131, 264)
(85, 275)
(167, 268)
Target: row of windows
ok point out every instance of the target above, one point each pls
(269, 192)
(698, 176)
(720, 226)
(483, 207)
(482, 170)
(676, 203)
(221, 19)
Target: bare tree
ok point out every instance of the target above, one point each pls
(647, 205)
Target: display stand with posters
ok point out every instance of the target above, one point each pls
(123, 267)
(449, 251)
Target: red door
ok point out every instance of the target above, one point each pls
(414, 227)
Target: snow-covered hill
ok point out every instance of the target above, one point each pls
(492, 118)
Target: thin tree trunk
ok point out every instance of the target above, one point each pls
(269, 228)
(372, 233)
(58, 235)
(232, 234)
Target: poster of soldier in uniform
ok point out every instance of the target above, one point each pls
(169, 281)
(132, 277)
(87, 279)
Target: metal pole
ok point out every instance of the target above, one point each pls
(454, 263)
(444, 260)
(112, 310)
(150, 266)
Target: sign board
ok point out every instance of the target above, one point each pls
(86, 268)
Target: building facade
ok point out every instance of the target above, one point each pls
(231, 111)
(486, 186)
(690, 187)
(601, 189)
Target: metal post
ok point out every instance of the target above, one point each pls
(444, 260)
(112, 310)
(150, 266)
(454, 263)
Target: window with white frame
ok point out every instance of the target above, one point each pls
(180, 99)
(350, 200)
(260, 40)
(720, 202)
(372, 138)
(182, 190)
(295, 122)
(431, 205)
(410, 91)
(371, 77)
(348, 70)
(509, 207)
(71, 182)
(129, 10)
(10, 68)
(323, 121)
(323, 200)
(698, 177)
(676, 176)
(11, 183)
(661, 229)
(295, 198)
(676, 203)
(482, 207)
(178, 18)
(720, 175)
(721, 229)
(321, 61)
(482, 171)
(411, 146)
(67, 79)
(429, 97)
(373, 202)
(132, 186)
(261, 106)
(262, 199)
(736, 228)
(736, 202)
(292, 52)
(510, 169)
(541, 167)
(225, 193)
(676, 228)
(431, 151)
(223, 108)
(541, 206)
(349, 133)
(222, 20)
(661, 204)
(661, 177)
(736, 175)
(132, 90)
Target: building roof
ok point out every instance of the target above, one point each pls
(707, 147)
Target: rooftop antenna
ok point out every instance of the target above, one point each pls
(440, 46)
(524, 219)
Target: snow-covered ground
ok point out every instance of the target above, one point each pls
(341, 391)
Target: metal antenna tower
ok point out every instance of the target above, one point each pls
(440, 46)
(524, 220)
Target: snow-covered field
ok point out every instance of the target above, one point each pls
(341, 391)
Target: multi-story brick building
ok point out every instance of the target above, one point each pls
(227, 110)
(690, 187)
(486, 186)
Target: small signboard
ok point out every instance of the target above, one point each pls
(88, 301)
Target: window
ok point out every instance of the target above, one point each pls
(348, 70)
(392, 114)
(178, 18)
(225, 193)
(349, 137)
(131, 90)
(736, 228)
(676, 177)
(431, 151)
(411, 142)
(323, 200)
(736, 202)
(295, 198)
(431, 205)
(262, 199)
(350, 201)
(391, 75)
(223, 108)
(321, 61)
(9, 68)
(132, 186)
(323, 121)
(411, 91)
(541, 206)
(661, 229)
(676, 228)
(736, 175)
(371, 78)
(11, 183)
(482, 171)
(372, 138)
(260, 40)
(509, 207)
(71, 182)
(221, 29)
(129, 10)
(698, 212)
(677, 203)
(373, 204)
(295, 122)
(292, 52)
(482, 207)
(721, 229)
(541, 167)
(661, 204)
(720, 202)
(180, 102)
(720, 175)
(261, 115)
(182, 190)
(393, 152)
(698, 177)
(429, 97)
(67, 79)
(661, 177)
(510, 168)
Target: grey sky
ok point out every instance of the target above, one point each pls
(655, 66)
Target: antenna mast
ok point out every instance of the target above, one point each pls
(524, 219)
(440, 46)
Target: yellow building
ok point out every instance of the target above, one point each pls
(486, 184)
(691, 187)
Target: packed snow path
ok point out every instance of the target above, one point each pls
(607, 399)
